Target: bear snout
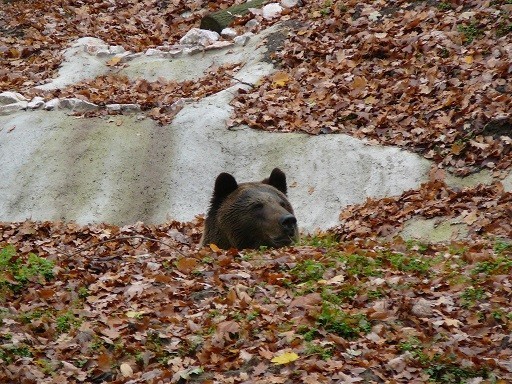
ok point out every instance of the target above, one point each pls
(250, 215)
(289, 224)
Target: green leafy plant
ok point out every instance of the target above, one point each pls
(470, 32)
(9, 353)
(308, 333)
(452, 373)
(344, 292)
(324, 351)
(415, 347)
(503, 29)
(46, 366)
(359, 265)
(409, 264)
(333, 319)
(501, 265)
(416, 245)
(443, 369)
(252, 315)
(471, 295)
(444, 6)
(66, 321)
(83, 292)
(308, 270)
(320, 240)
(17, 270)
(502, 246)
(326, 8)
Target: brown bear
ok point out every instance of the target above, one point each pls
(250, 215)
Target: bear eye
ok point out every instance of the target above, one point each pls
(257, 206)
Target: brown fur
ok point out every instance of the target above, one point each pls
(250, 215)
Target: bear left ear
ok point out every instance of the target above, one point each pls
(224, 185)
(277, 179)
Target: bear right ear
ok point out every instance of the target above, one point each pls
(277, 179)
(224, 185)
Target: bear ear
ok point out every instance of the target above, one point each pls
(277, 179)
(224, 185)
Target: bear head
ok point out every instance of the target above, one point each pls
(250, 215)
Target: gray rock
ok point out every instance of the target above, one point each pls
(193, 50)
(52, 104)
(252, 24)
(243, 39)
(228, 33)
(271, 11)
(113, 107)
(77, 105)
(90, 45)
(129, 108)
(289, 3)
(219, 45)
(173, 53)
(116, 49)
(80, 62)
(154, 52)
(103, 53)
(12, 108)
(129, 168)
(198, 36)
(128, 56)
(36, 103)
(11, 98)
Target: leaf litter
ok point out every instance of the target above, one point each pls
(142, 303)
(160, 309)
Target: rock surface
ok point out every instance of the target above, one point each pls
(122, 169)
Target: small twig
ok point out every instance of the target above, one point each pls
(240, 81)
(120, 239)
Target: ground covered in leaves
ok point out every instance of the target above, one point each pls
(484, 210)
(430, 76)
(142, 304)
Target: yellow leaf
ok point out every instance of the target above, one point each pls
(468, 59)
(114, 61)
(370, 100)
(280, 79)
(285, 358)
(134, 314)
(214, 248)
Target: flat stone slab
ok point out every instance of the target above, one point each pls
(124, 169)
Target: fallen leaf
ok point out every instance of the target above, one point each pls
(113, 61)
(280, 79)
(186, 264)
(214, 248)
(126, 370)
(285, 358)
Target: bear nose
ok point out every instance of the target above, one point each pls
(288, 222)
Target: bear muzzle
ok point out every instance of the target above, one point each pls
(289, 224)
